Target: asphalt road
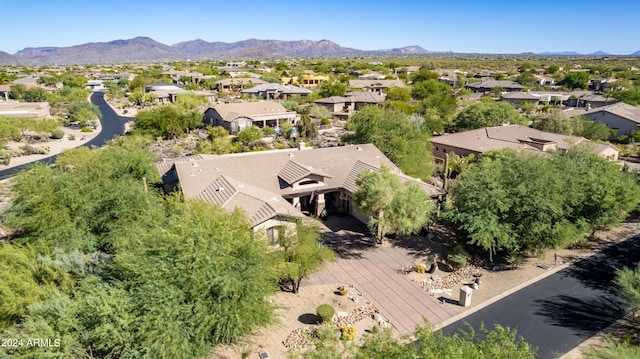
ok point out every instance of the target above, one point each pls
(558, 313)
(112, 125)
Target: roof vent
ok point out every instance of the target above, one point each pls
(358, 148)
(195, 164)
(291, 155)
(220, 189)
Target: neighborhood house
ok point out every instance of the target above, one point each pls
(275, 187)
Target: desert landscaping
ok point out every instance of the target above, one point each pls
(296, 312)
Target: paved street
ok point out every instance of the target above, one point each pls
(376, 272)
(112, 125)
(561, 311)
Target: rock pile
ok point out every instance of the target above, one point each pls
(300, 338)
(463, 274)
(356, 315)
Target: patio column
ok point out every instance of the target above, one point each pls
(296, 202)
(320, 204)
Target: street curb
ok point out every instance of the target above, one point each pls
(488, 302)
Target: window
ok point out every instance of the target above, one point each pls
(307, 182)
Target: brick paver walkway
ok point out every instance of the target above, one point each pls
(375, 272)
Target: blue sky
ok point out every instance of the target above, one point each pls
(461, 26)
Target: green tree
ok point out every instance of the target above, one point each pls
(168, 121)
(424, 75)
(84, 112)
(249, 134)
(515, 202)
(306, 128)
(328, 90)
(392, 206)
(217, 132)
(301, 253)
(396, 136)
(487, 114)
(575, 80)
(499, 343)
(398, 94)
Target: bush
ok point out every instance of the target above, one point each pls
(325, 313)
(342, 291)
(325, 122)
(71, 137)
(5, 157)
(420, 268)
(457, 261)
(27, 149)
(348, 333)
(86, 129)
(268, 131)
(57, 134)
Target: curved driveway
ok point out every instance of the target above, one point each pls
(112, 125)
(561, 311)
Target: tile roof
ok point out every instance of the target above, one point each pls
(498, 137)
(284, 89)
(230, 111)
(268, 176)
(621, 109)
(293, 172)
(495, 83)
(375, 83)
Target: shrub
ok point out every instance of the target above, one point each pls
(325, 122)
(325, 313)
(280, 146)
(420, 268)
(342, 291)
(71, 137)
(457, 261)
(27, 149)
(57, 134)
(268, 131)
(348, 333)
(5, 157)
(86, 129)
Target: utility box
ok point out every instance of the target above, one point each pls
(465, 296)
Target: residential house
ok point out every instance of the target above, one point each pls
(308, 79)
(485, 86)
(372, 76)
(378, 86)
(344, 106)
(623, 118)
(11, 108)
(95, 85)
(275, 91)
(405, 70)
(274, 188)
(237, 83)
(180, 76)
(234, 117)
(516, 137)
(588, 99)
(545, 80)
(517, 99)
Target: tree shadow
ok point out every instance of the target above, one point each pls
(348, 237)
(308, 318)
(598, 271)
(586, 316)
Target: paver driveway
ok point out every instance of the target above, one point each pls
(375, 272)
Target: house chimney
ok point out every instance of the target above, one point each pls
(301, 146)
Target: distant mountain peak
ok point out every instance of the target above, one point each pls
(143, 48)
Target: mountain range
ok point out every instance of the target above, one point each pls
(143, 49)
